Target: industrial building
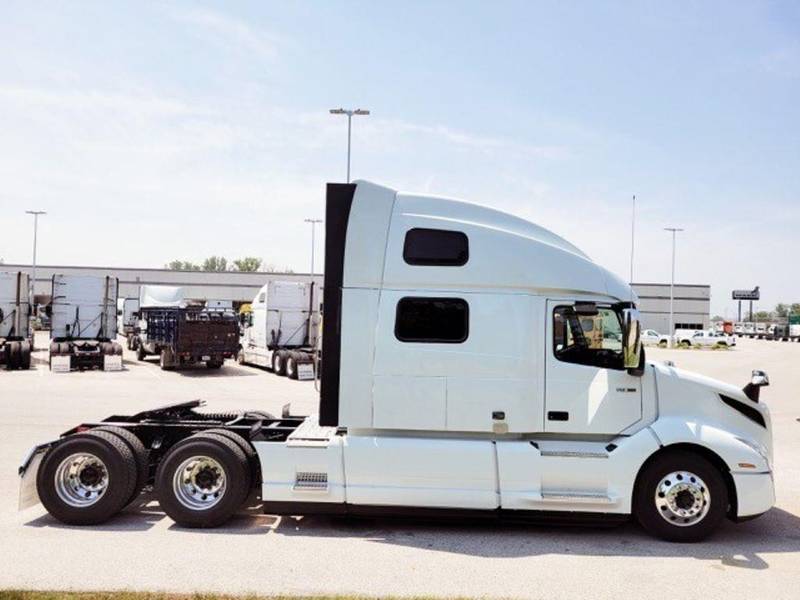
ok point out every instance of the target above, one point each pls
(234, 286)
(691, 305)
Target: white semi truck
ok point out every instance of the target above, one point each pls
(83, 315)
(16, 341)
(280, 331)
(429, 407)
(128, 319)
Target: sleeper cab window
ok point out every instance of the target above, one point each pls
(432, 320)
(436, 247)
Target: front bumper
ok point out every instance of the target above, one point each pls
(755, 493)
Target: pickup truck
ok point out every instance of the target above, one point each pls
(707, 338)
(650, 337)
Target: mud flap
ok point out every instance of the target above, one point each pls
(28, 494)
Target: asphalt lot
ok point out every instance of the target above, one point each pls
(143, 550)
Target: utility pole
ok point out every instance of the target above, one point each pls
(633, 231)
(313, 242)
(671, 338)
(32, 290)
(349, 113)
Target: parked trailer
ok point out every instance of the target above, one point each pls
(427, 407)
(16, 342)
(280, 330)
(181, 334)
(84, 323)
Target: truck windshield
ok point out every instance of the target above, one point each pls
(588, 340)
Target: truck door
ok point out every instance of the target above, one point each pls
(587, 390)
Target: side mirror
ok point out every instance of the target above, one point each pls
(758, 380)
(632, 341)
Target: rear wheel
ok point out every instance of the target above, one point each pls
(13, 356)
(662, 344)
(686, 344)
(203, 480)
(25, 355)
(246, 447)
(680, 497)
(140, 353)
(140, 455)
(279, 362)
(291, 366)
(86, 478)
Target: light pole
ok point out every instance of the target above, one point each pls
(35, 214)
(674, 230)
(313, 243)
(349, 113)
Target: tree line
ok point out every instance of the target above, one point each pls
(782, 310)
(248, 264)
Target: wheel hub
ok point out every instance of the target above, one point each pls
(682, 498)
(81, 479)
(199, 482)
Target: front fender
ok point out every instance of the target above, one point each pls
(739, 454)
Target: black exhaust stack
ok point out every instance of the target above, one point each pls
(338, 201)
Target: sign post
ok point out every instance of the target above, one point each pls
(754, 294)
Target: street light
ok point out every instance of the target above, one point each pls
(313, 225)
(674, 230)
(349, 113)
(35, 214)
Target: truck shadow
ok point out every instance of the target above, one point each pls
(742, 545)
(733, 545)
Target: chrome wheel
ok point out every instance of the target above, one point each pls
(199, 483)
(81, 479)
(682, 498)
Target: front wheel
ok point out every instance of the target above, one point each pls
(680, 497)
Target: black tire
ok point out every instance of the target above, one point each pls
(213, 364)
(246, 447)
(645, 496)
(121, 471)
(15, 356)
(235, 469)
(686, 344)
(140, 454)
(279, 362)
(25, 350)
(140, 353)
(291, 365)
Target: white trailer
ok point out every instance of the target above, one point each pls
(83, 315)
(280, 331)
(16, 341)
(429, 407)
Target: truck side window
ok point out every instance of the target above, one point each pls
(588, 340)
(436, 247)
(432, 320)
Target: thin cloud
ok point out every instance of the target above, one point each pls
(229, 32)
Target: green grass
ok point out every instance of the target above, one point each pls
(27, 595)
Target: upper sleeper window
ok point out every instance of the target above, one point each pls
(432, 320)
(436, 247)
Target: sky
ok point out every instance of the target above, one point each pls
(178, 130)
